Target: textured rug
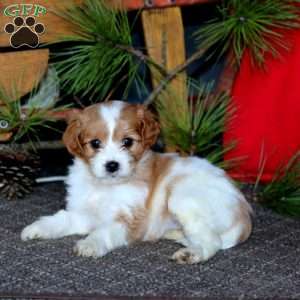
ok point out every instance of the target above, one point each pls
(266, 266)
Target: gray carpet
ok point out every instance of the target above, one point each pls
(266, 266)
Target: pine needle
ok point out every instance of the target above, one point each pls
(254, 24)
(199, 130)
(282, 194)
(25, 121)
(103, 52)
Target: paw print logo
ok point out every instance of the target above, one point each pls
(24, 32)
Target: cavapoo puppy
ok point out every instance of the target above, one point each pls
(119, 191)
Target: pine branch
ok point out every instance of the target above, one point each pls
(172, 74)
(257, 25)
(194, 126)
(103, 51)
(140, 55)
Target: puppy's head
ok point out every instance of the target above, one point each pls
(111, 137)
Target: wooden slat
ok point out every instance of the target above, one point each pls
(22, 70)
(164, 37)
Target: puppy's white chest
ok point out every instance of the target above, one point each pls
(107, 202)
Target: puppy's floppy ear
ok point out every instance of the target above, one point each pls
(71, 135)
(149, 126)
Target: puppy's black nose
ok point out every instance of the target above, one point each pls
(112, 166)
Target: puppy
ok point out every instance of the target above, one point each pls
(119, 191)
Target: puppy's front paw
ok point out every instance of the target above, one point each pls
(34, 231)
(88, 247)
(187, 256)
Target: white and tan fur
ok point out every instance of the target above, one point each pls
(149, 197)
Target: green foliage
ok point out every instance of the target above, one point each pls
(102, 52)
(24, 120)
(21, 122)
(283, 193)
(253, 24)
(195, 126)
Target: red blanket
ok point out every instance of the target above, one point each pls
(267, 122)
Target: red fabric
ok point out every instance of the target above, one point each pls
(267, 122)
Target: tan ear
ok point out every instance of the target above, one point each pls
(149, 126)
(71, 137)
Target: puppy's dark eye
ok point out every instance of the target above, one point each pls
(96, 144)
(127, 142)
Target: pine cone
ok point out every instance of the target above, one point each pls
(18, 171)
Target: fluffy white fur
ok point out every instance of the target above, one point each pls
(194, 203)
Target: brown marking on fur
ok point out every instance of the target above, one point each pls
(149, 127)
(138, 123)
(93, 128)
(153, 172)
(159, 168)
(71, 138)
(243, 217)
(242, 220)
(136, 224)
(84, 127)
(128, 127)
